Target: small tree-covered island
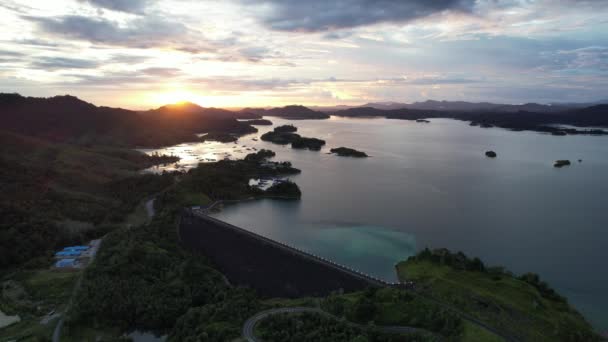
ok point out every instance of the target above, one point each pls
(284, 135)
(348, 152)
(491, 154)
(259, 122)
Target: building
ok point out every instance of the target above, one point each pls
(68, 253)
(66, 263)
(72, 251)
(76, 248)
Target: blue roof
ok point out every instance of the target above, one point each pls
(76, 248)
(66, 263)
(68, 253)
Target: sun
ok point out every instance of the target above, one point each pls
(176, 97)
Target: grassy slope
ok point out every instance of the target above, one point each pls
(473, 333)
(390, 312)
(317, 327)
(38, 292)
(395, 307)
(506, 303)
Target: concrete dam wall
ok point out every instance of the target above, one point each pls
(270, 267)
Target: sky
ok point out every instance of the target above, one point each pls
(236, 53)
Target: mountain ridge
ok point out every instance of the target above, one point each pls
(70, 120)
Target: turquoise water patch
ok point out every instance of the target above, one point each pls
(368, 249)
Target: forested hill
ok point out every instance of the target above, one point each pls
(594, 116)
(294, 112)
(52, 194)
(531, 116)
(69, 119)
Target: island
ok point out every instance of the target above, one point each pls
(161, 159)
(260, 156)
(312, 144)
(284, 135)
(286, 129)
(422, 121)
(348, 152)
(284, 189)
(491, 154)
(561, 163)
(279, 138)
(258, 122)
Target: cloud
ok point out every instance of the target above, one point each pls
(337, 35)
(144, 32)
(10, 53)
(254, 53)
(323, 15)
(163, 72)
(37, 43)
(439, 80)
(591, 57)
(146, 76)
(250, 53)
(127, 59)
(232, 84)
(152, 32)
(56, 63)
(128, 6)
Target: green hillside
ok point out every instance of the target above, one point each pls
(52, 194)
(522, 307)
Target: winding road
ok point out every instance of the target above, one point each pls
(249, 326)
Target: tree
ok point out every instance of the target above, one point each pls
(364, 310)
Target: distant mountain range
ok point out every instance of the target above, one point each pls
(467, 106)
(69, 119)
(550, 122)
(294, 112)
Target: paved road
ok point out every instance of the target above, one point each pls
(249, 326)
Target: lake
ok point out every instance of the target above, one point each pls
(430, 185)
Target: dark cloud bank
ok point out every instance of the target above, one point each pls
(128, 6)
(324, 15)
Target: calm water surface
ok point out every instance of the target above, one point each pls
(431, 185)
